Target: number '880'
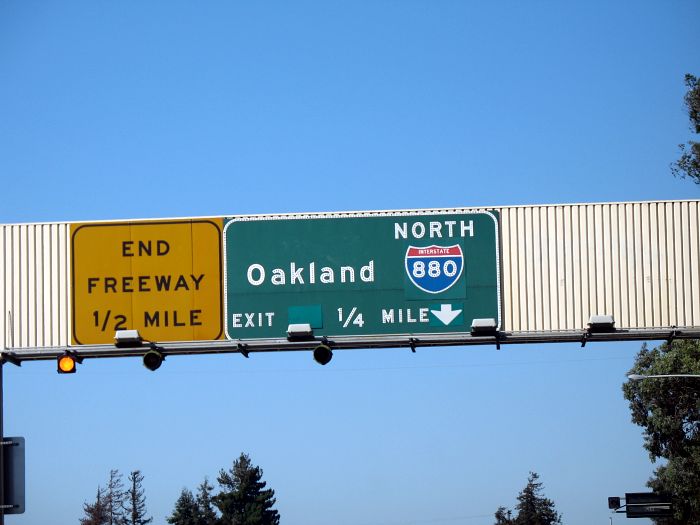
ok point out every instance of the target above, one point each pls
(434, 269)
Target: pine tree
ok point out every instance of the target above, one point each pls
(206, 512)
(95, 513)
(135, 501)
(243, 499)
(533, 508)
(114, 499)
(186, 511)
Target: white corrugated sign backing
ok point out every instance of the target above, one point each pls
(561, 264)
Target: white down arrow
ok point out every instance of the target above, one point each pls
(446, 314)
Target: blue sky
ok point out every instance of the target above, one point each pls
(114, 110)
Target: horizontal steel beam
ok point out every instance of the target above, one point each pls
(246, 346)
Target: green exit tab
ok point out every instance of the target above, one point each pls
(311, 314)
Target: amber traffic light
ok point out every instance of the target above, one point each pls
(66, 363)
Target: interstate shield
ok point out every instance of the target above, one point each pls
(434, 269)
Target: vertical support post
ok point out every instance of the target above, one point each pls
(2, 450)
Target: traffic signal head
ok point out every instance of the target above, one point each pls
(323, 354)
(66, 363)
(153, 359)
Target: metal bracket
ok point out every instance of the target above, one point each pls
(78, 358)
(585, 338)
(674, 333)
(243, 350)
(412, 342)
(11, 357)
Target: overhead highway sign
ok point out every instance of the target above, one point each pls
(361, 274)
(161, 278)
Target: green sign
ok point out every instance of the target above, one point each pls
(361, 274)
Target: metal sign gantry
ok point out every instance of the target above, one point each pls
(246, 346)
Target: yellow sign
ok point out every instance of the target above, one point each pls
(160, 278)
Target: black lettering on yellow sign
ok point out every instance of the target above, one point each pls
(103, 321)
(144, 283)
(162, 278)
(172, 318)
(145, 248)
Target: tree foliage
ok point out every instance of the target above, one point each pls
(532, 508)
(191, 510)
(243, 499)
(205, 505)
(114, 499)
(503, 516)
(95, 513)
(688, 165)
(186, 511)
(135, 501)
(669, 411)
(116, 506)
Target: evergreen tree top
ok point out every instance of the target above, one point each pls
(243, 499)
(532, 508)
